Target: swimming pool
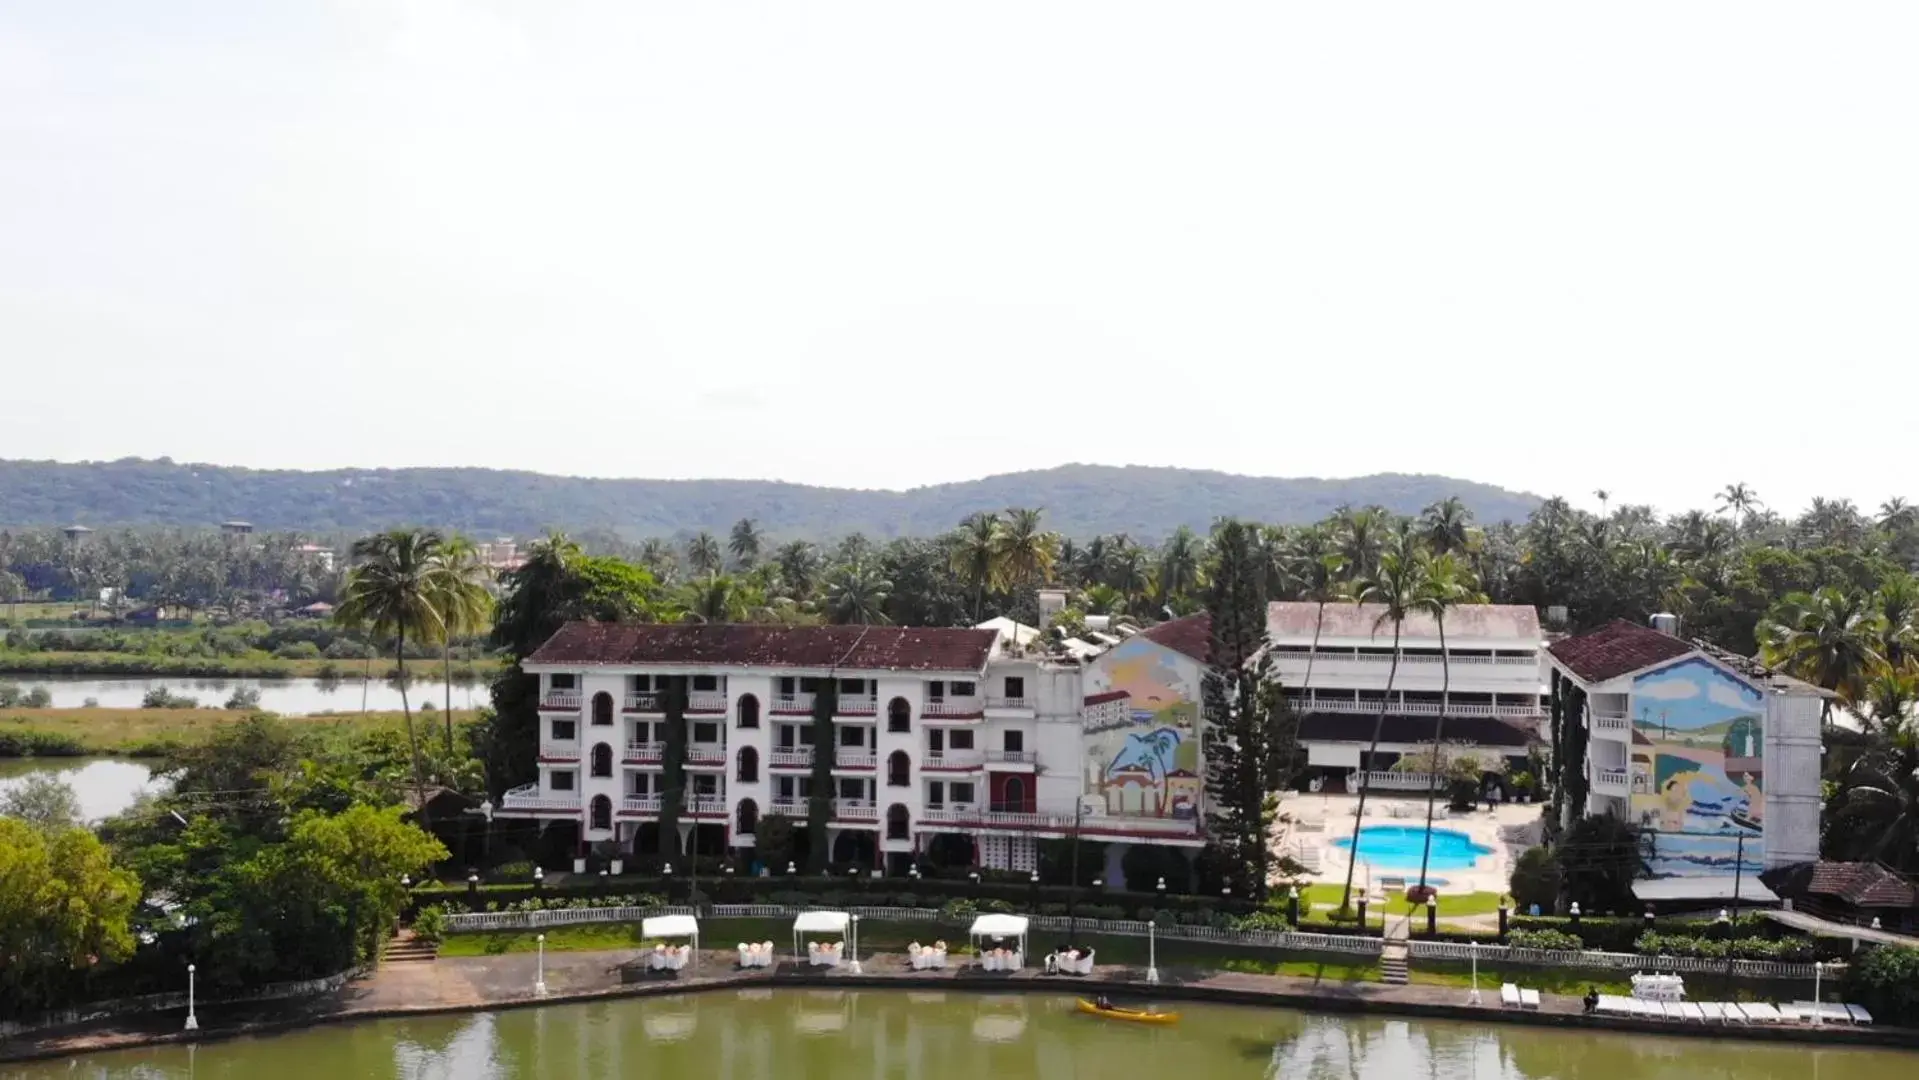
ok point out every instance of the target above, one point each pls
(1399, 846)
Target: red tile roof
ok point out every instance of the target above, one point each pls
(1191, 635)
(849, 648)
(1615, 649)
(1863, 885)
(1110, 695)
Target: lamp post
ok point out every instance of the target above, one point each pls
(855, 966)
(1473, 997)
(1818, 1010)
(539, 881)
(1035, 900)
(1432, 916)
(667, 873)
(539, 977)
(486, 844)
(791, 869)
(1152, 951)
(193, 1019)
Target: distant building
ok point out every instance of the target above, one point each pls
(237, 529)
(320, 555)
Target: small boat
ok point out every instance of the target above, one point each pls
(1133, 1015)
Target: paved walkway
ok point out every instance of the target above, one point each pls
(507, 981)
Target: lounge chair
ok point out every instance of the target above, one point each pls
(1859, 1014)
(1614, 1005)
(1760, 1012)
(1711, 1010)
(1528, 998)
(1509, 996)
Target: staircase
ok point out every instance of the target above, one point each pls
(1393, 952)
(405, 948)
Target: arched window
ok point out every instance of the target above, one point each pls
(898, 823)
(749, 770)
(899, 716)
(602, 813)
(898, 769)
(602, 759)
(603, 708)
(749, 711)
(1015, 795)
(746, 817)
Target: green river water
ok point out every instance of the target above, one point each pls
(766, 1034)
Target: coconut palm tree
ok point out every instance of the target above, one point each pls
(1397, 590)
(1026, 552)
(1447, 526)
(1179, 563)
(799, 564)
(1445, 583)
(1362, 536)
(1897, 606)
(465, 606)
(974, 557)
(1320, 570)
(1829, 638)
(703, 554)
(856, 593)
(1878, 804)
(744, 543)
(1741, 500)
(393, 590)
(1128, 567)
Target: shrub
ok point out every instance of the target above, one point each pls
(1535, 879)
(37, 698)
(1885, 979)
(1744, 948)
(429, 923)
(1544, 939)
(298, 650)
(244, 699)
(1462, 793)
(958, 910)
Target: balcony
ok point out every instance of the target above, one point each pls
(792, 808)
(559, 750)
(644, 751)
(856, 705)
(1011, 703)
(1011, 757)
(706, 703)
(1314, 703)
(562, 699)
(792, 705)
(952, 761)
(528, 799)
(646, 703)
(1618, 725)
(972, 816)
(798, 757)
(697, 806)
(1612, 781)
(855, 810)
(846, 758)
(706, 755)
(953, 710)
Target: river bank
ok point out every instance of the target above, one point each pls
(507, 982)
(135, 732)
(22, 666)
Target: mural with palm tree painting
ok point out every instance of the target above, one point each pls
(1141, 737)
(1699, 768)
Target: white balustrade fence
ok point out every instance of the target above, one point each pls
(1614, 961)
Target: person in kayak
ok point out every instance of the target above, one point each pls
(1103, 1002)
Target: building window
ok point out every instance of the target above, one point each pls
(963, 689)
(602, 708)
(706, 732)
(1013, 796)
(706, 784)
(602, 759)
(1015, 686)
(960, 739)
(786, 685)
(748, 819)
(1013, 742)
(852, 686)
(562, 681)
(898, 824)
(936, 793)
(805, 733)
(561, 780)
(749, 768)
(636, 783)
(639, 684)
(706, 683)
(853, 736)
(749, 711)
(899, 716)
(852, 789)
(962, 793)
(898, 768)
(566, 730)
(602, 813)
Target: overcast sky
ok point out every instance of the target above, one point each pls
(1651, 247)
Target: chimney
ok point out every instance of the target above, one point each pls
(1666, 623)
(1051, 602)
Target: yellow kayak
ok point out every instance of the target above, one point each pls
(1133, 1015)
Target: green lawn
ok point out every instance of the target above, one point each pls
(1450, 904)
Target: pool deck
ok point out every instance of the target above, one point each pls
(1315, 821)
(468, 984)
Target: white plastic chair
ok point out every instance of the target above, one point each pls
(1509, 996)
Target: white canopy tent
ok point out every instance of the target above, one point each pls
(817, 922)
(673, 926)
(999, 926)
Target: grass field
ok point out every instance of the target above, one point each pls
(135, 731)
(1451, 905)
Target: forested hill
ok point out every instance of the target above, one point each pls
(1079, 500)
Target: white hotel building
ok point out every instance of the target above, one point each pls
(1493, 702)
(949, 736)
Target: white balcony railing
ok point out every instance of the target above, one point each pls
(1011, 757)
(793, 703)
(857, 705)
(647, 703)
(1616, 781)
(527, 797)
(951, 708)
(697, 804)
(975, 816)
(706, 754)
(792, 808)
(953, 759)
(1009, 703)
(791, 758)
(855, 759)
(645, 751)
(856, 809)
(561, 699)
(1610, 722)
(1414, 708)
(560, 749)
(706, 703)
(1291, 656)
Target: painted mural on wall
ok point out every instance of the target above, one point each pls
(1698, 769)
(1141, 721)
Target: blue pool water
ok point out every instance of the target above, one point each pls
(1399, 847)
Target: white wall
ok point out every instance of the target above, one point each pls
(1793, 801)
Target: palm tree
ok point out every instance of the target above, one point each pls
(1890, 697)
(393, 590)
(856, 593)
(1320, 571)
(975, 557)
(1895, 514)
(744, 543)
(1879, 803)
(657, 555)
(703, 554)
(1897, 606)
(799, 564)
(1129, 567)
(465, 606)
(1396, 588)
(1361, 538)
(1179, 563)
(1026, 552)
(1741, 500)
(1448, 526)
(1445, 584)
(716, 599)
(1828, 638)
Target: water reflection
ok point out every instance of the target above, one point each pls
(346, 692)
(103, 786)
